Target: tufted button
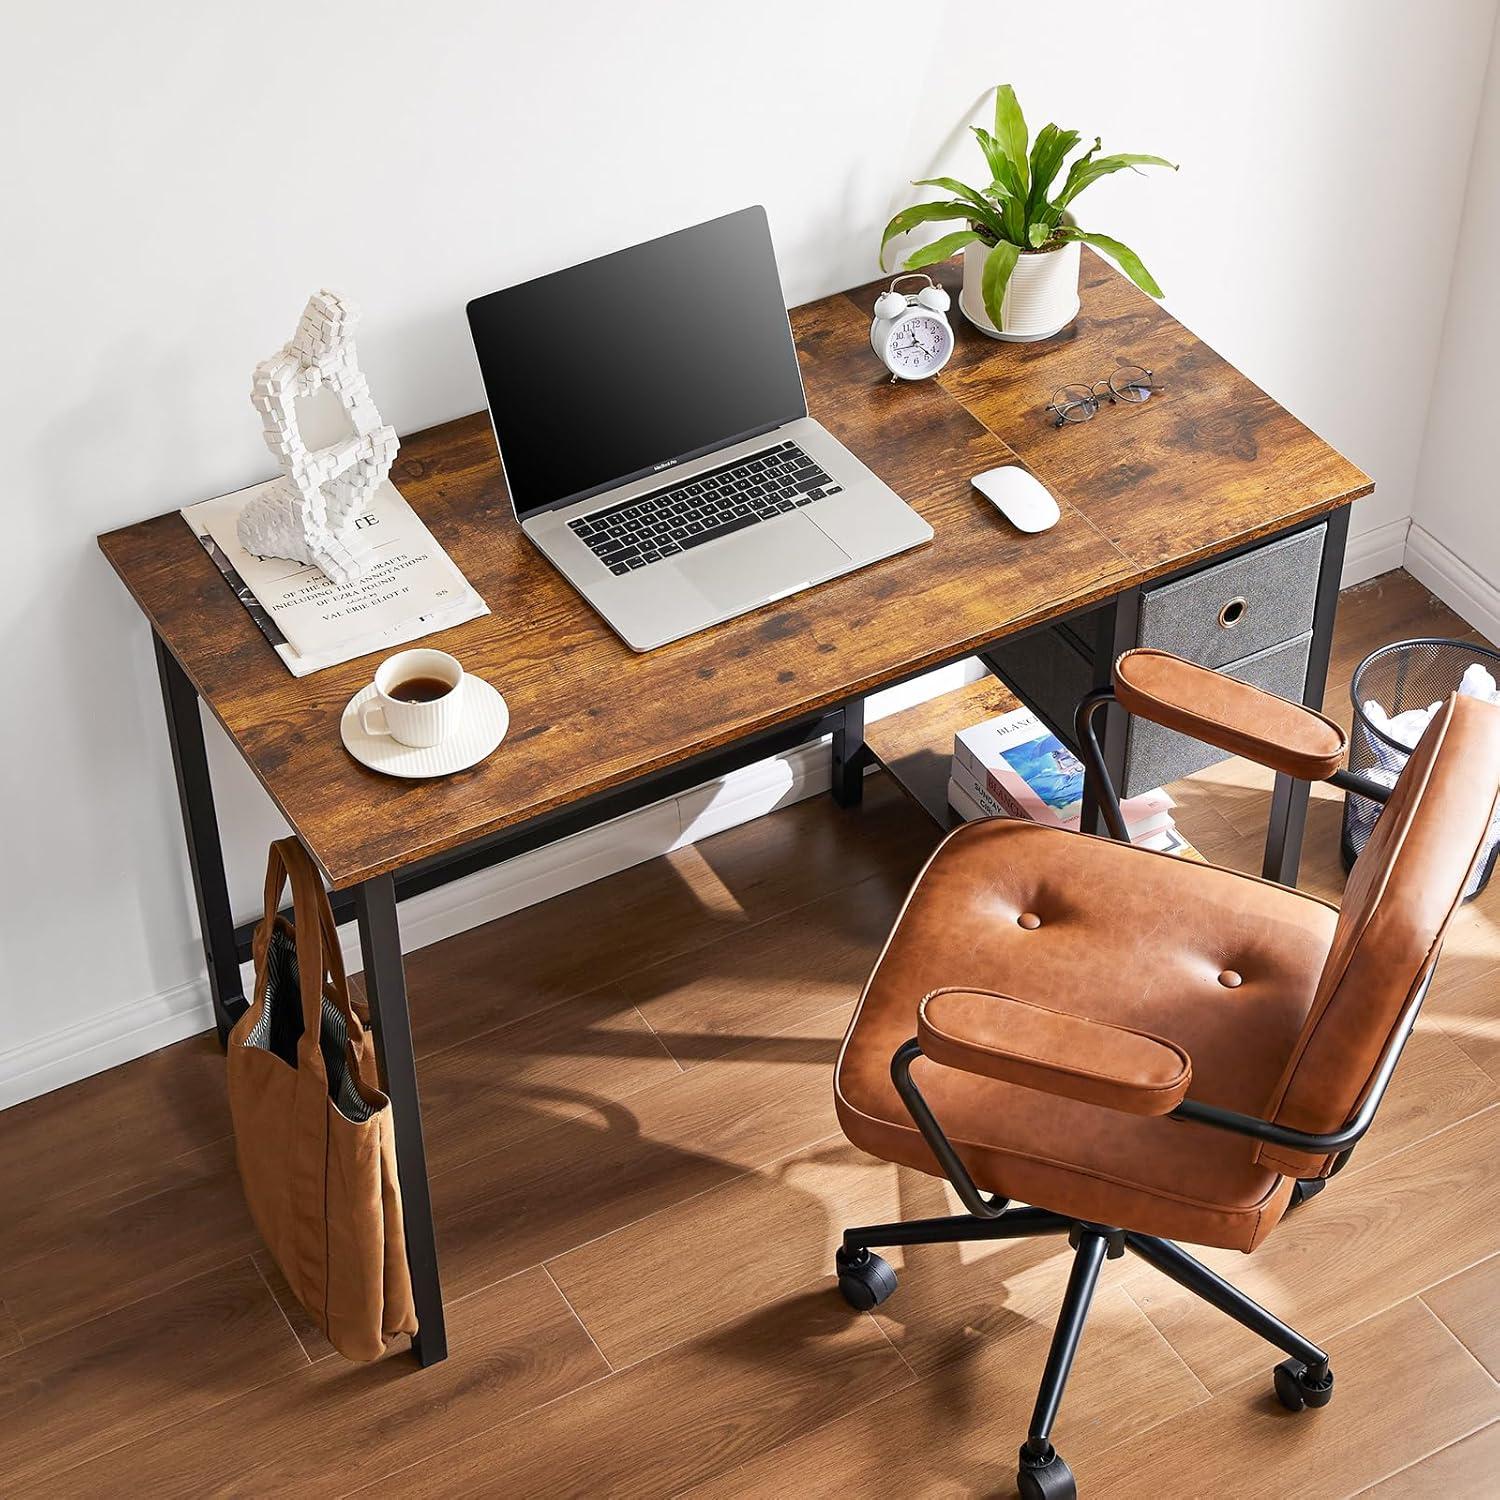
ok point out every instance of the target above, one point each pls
(1029, 920)
(1230, 980)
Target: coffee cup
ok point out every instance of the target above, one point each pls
(418, 698)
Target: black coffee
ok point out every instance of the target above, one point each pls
(420, 689)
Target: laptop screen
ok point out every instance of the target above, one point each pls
(633, 362)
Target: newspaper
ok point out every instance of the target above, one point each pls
(412, 587)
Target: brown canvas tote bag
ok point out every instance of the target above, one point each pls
(313, 1132)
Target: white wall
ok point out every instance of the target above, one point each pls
(178, 177)
(1454, 546)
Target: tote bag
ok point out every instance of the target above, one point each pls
(313, 1132)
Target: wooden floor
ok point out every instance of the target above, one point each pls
(639, 1184)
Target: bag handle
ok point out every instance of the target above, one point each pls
(277, 871)
(320, 959)
(310, 899)
(270, 906)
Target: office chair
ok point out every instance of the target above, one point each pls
(1141, 1048)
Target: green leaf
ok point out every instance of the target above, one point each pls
(1008, 180)
(1085, 171)
(1010, 132)
(921, 213)
(939, 249)
(984, 210)
(1013, 220)
(1122, 255)
(993, 155)
(998, 265)
(1047, 154)
(1038, 233)
(954, 186)
(1074, 172)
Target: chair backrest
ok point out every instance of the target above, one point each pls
(1401, 893)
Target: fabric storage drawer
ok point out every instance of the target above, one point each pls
(1266, 598)
(1237, 609)
(1154, 755)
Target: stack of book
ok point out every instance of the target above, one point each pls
(1013, 766)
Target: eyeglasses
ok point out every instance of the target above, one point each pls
(1077, 403)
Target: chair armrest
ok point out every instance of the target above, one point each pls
(1233, 715)
(1016, 1041)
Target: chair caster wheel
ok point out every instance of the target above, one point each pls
(1048, 1478)
(865, 1281)
(1295, 1389)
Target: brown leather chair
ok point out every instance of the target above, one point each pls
(1144, 1048)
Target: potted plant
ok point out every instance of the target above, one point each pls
(1020, 245)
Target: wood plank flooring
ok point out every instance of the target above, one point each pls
(639, 1182)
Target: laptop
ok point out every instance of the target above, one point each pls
(651, 422)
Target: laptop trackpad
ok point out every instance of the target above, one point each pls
(775, 557)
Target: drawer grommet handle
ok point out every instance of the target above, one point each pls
(1232, 613)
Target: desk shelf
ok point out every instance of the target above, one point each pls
(916, 745)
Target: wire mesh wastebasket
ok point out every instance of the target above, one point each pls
(1404, 682)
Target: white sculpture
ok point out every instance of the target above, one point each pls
(309, 514)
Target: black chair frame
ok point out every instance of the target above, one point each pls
(1303, 1380)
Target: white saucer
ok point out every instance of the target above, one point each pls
(483, 720)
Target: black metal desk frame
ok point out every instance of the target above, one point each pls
(373, 903)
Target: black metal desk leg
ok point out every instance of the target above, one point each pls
(849, 755)
(201, 824)
(1117, 629)
(1289, 798)
(1284, 830)
(385, 988)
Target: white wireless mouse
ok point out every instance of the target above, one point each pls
(1020, 497)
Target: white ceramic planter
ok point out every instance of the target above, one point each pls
(1040, 301)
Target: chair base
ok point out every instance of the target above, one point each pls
(865, 1281)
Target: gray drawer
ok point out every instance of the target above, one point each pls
(1238, 608)
(1154, 755)
(1265, 642)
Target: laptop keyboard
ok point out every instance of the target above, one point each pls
(642, 531)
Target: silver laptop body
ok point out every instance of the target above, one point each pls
(774, 507)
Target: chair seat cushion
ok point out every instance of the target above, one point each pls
(1222, 965)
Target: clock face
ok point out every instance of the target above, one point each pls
(919, 346)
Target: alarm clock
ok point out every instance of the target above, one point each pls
(911, 332)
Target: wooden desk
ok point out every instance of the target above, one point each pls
(1209, 466)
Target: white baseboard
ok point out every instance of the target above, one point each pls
(1367, 554)
(132, 1030)
(605, 849)
(140, 1026)
(1436, 566)
(104, 1041)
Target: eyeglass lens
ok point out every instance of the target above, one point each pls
(1131, 383)
(1073, 403)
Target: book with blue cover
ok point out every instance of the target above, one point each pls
(1016, 765)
